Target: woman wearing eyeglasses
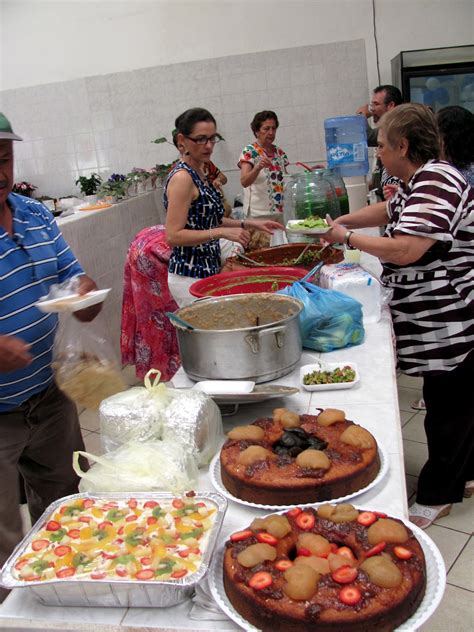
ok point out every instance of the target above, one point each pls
(195, 215)
(262, 165)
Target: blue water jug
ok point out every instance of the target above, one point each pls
(346, 145)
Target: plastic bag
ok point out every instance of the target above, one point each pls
(154, 466)
(154, 411)
(84, 365)
(330, 320)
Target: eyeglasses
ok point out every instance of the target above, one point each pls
(203, 140)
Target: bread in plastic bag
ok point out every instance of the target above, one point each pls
(84, 365)
(154, 411)
(153, 466)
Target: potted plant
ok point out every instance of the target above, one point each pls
(89, 186)
(115, 187)
(24, 188)
(136, 179)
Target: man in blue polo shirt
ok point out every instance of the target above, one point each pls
(39, 426)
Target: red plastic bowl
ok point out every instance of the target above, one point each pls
(247, 281)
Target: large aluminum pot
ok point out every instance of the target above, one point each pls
(240, 337)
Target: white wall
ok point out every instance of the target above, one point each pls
(45, 42)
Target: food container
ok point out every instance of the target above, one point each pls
(242, 337)
(328, 366)
(250, 281)
(286, 255)
(123, 593)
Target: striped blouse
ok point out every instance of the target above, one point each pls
(433, 298)
(31, 260)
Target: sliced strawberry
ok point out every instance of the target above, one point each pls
(184, 553)
(145, 561)
(241, 535)
(350, 595)
(344, 574)
(402, 553)
(32, 578)
(267, 538)
(146, 573)
(132, 503)
(151, 520)
(98, 575)
(74, 534)
(19, 565)
(366, 518)
(53, 526)
(109, 556)
(375, 550)
(104, 524)
(283, 565)
(68, 571)
(120, 530)
(110, 505)
(294, 512)
(260, 580)
(84, 519)
(304, 552)
(62, 550)
(150, 504)
(305, 521)
(131, 518)
(38, 545)
(380, 514)
(88, 502)
(121, 571)
(177, 503)
(178, 574)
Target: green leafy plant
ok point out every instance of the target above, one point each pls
(116, 186)
(89, 184)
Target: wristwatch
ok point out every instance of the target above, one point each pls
(347, 238)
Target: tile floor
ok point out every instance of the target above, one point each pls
(452, 534)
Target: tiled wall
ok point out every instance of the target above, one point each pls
(106, 123)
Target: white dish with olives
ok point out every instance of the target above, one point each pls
(329, 376)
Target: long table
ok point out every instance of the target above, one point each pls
(372, 402)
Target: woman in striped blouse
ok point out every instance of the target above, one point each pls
(427, 253)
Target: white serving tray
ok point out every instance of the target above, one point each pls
(73, 302)
(292, 227)
(328, 366)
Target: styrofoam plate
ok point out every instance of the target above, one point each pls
(73, 302)
(225, 387)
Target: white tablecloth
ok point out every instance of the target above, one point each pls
(372, 402)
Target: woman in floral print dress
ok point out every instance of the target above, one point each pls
(262, 165)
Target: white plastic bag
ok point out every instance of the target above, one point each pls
(154, 466)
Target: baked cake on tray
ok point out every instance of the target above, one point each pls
(331, 569)
(293, 459)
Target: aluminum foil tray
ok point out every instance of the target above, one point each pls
(115, 592)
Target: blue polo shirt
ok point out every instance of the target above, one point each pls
(31, 260)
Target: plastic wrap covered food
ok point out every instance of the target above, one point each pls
(84, 365)
(155, 412)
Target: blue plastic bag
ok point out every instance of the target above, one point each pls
(330, 319)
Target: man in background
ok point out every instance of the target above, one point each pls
(384, 98)
(39, 425)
